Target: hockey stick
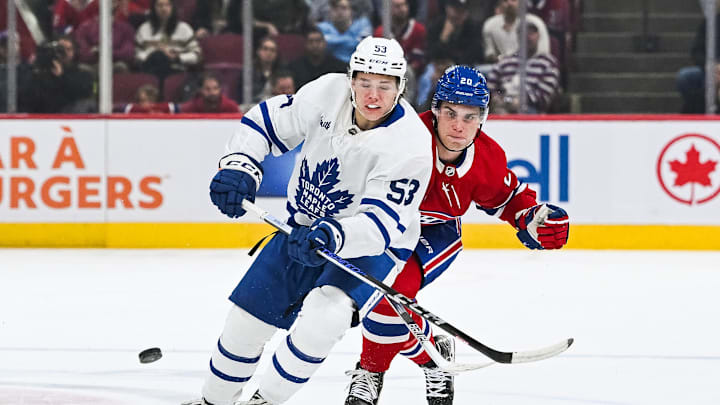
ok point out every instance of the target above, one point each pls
(440, 361)
(396, 297)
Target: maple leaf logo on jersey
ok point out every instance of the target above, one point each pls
(315, 196)
(692, 171)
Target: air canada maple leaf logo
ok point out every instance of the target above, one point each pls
(692, 171)
(315, 195)
(688, 169)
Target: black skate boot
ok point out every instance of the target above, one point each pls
(439, 384)
(197, 402)
(256, 399)
(365, 386)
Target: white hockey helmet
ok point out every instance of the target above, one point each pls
(381, 56)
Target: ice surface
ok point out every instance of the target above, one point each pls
(646, 324)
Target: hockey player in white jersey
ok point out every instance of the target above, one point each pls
(355, 189)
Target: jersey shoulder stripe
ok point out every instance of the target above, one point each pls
(252, 124)
(270, 129)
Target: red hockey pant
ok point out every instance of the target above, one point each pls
(376, 357)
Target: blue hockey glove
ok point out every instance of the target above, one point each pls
(543, 226)
(238, 179)
(303, 240)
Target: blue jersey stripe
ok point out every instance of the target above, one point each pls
(402, 254)
(269, 127)
(391, 213)
(381, 227)
(384, 329)
(287, 375)
(300, 355)
(235, 357)
(252, 124)
(436, 271)
(226, 377)
(415, 350)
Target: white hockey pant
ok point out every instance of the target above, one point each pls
(236, 356)
(325, 316)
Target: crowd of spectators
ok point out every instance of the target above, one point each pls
(174, 56)
(542, 78)
(691, 79)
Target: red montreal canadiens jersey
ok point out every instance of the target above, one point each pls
(482, 177)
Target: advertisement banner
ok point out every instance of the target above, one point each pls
(108, 176)
(619, 172)
(117, 170)
(52, 171)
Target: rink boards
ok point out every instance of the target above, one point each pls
(628, 182)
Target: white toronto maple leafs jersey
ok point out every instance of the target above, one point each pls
(371, 181)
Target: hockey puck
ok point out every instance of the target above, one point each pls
(150, 355)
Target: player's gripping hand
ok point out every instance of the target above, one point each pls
(303, 240)
(543, 226)
(238, 179)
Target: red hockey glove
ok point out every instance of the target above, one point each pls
(543, 226)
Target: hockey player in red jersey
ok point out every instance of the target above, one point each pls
(470, 168)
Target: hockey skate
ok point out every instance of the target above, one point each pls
(439, 384)
(365, 386)
(256, 399)
(200, 401)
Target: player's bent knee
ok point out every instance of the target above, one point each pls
(328, 300)
(326, 314)
(244, 332)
